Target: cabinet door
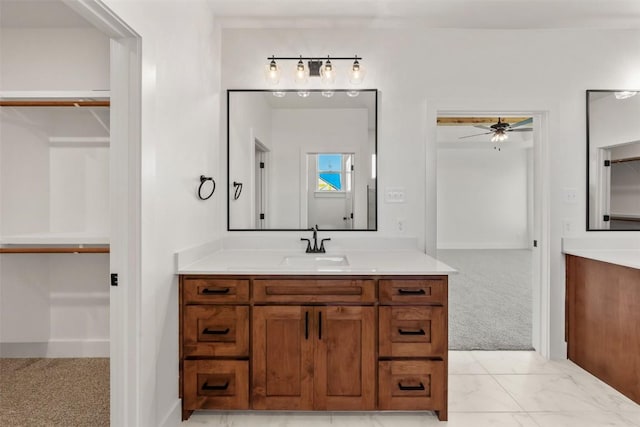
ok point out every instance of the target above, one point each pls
(282, 376)
(345, 363)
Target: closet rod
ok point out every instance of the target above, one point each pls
(56, 103)
(627, 159)
(54, 250)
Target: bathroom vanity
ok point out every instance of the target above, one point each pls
(361, 331)
(603, 314)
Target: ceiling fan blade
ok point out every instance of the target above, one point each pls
(482, 127)
(477, 134)
(522, 122)
(520, 130)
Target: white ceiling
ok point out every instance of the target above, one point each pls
(489, 14)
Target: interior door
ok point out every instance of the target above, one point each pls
(282, 376)
(345, 360)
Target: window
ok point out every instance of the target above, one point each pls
(330, 172)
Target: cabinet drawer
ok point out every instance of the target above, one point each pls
(202, 290)
(411, 385)
(216, 384)
(314, 290)
(428, 290)
(412, 331)
(212, 330)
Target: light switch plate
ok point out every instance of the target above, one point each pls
(394, 195)
(570, 195)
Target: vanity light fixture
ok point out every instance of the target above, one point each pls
(304, 93)
(279, 94)
(325, 69)
(625, 94)
(352, 93)
(328, 93)
(272, 72)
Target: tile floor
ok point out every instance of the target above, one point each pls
(486, 388)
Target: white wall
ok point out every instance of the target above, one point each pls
(421, 70)
(180, 141)
(483, 199)
(53, 305)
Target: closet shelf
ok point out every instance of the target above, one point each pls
(87, 98)
(626, 159)
(55, 239)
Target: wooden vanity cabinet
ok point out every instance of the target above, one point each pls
(313, 343)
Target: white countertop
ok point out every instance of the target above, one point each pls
(624, 257)
(618, 250)
(397, 262)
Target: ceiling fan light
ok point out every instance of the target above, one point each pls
(304, 93)
(328, 93)
(352, 93)
(279, 94)
(625, 94)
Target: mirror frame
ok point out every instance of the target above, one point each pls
(229, 91)
(588, 147)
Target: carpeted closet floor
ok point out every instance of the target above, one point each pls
(54, 392)
(490, 299)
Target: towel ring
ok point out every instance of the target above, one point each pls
(238, 190)
(204, 179)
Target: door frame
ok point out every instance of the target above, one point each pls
(540, 111)
(125, 209)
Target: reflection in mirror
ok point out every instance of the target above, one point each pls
(613, 150)
(302, 161)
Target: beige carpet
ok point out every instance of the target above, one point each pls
(54, 392)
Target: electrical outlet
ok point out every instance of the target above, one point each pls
(394, 195)
(570, 195)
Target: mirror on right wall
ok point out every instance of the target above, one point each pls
(613, 160)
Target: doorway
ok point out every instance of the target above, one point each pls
(261, 184)
(488, 219)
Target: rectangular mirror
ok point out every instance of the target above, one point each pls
(613, 160)
(297, 159)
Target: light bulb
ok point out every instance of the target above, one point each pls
(272, 72)
(357, 73)
(328, 72)
(302, 74)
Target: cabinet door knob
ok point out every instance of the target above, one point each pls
(411, 387)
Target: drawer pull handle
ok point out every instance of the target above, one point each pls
(411, 387)
(208, 331)
(207, 291)
(418, 332)
(411, 291)
(224, 386)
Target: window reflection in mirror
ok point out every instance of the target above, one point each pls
(302, 161)
(613, 171)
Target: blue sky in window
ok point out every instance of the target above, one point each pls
(332, 179)
(330, 162)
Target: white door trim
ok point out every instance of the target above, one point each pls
(540, 111)
(125, 192)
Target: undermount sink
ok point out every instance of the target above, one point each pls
(315, 260)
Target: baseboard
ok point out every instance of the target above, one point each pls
(56, 348)
(174, 416)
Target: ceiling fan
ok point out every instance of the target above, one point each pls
(500, 130)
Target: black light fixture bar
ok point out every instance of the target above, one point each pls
(314, 58)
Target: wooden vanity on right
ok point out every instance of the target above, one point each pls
(603, 315)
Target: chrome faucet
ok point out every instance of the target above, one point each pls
(315, 249)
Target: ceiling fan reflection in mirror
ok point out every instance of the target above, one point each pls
(500, 130)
